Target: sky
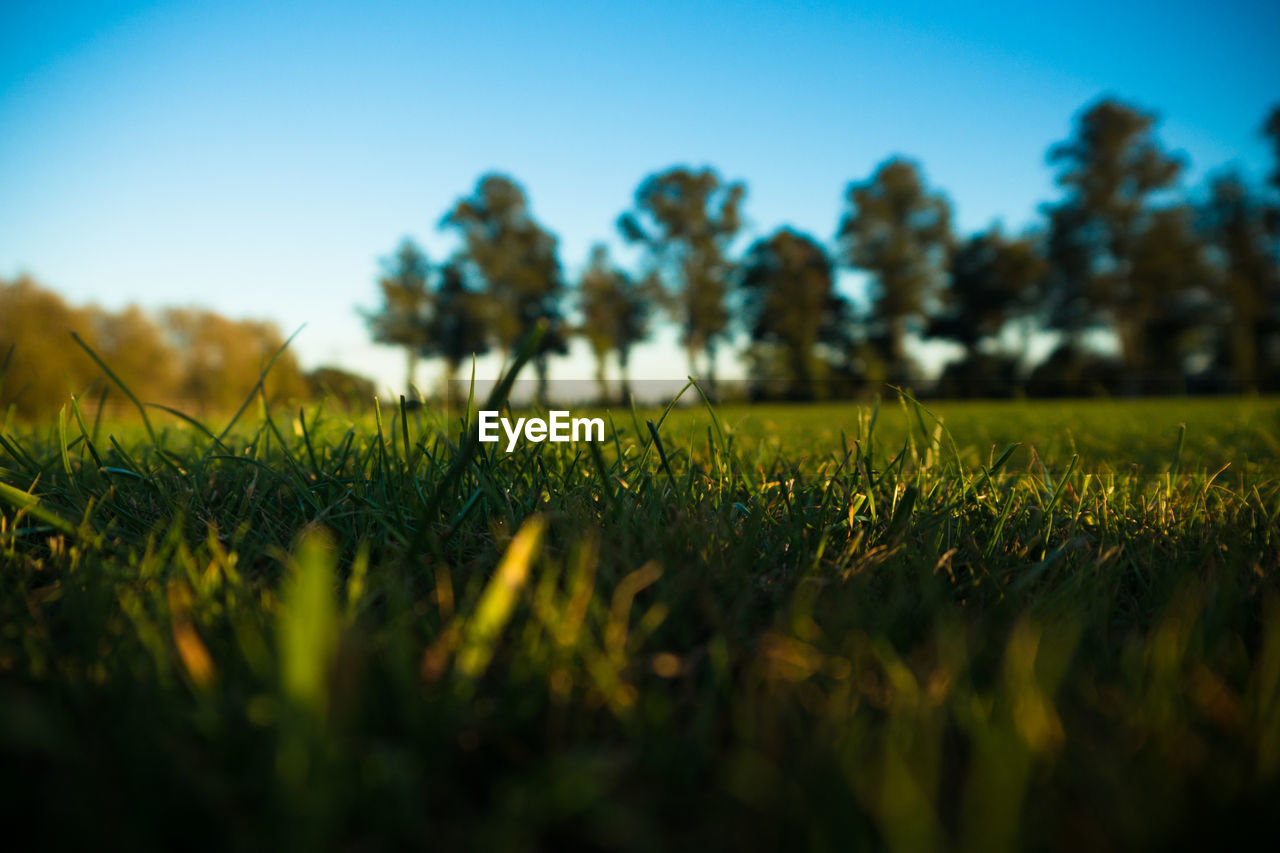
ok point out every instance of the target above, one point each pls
(259, 158)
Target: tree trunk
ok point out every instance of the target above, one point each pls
(540, 368)
(691, 350)
(1244, 357)
(602, 381)
(411, 372)
(1133, 352)
(624, 372)
(898, 350)
(974, 382)
(450, 378)
(801, 373)
(711, 370)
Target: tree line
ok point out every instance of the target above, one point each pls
(190, 358)
(1187, 286)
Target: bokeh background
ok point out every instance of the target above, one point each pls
(264, 161)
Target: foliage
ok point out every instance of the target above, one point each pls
(616, 313)
(219, 360)
(1185, 292)
(516, 259)
(1111, 169)
(789, 300)
(135, 346)
(686, 220)
(992, 280)
(405, 316)
(899, 232)
(1075, 371)
(458, 329)
(1170, 295)
(1271, 130)
(40, 368)
(1245, 235)
(333, 384)
(185, 357)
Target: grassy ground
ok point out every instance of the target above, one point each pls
(985, 626)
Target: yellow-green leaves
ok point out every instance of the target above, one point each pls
(191, 650)
(482, 630)
(308, 622)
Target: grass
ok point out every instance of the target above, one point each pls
(981, 626)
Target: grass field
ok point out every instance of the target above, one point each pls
(979, 626)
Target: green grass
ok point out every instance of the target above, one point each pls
(978, 626)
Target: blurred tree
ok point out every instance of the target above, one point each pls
(790, 302)
(687, 220)
(517, 260)
(221, 360)
(1169, 299)
(1271, 130)
(404, 318)
(616, 315)
(1073, 371)
(349, 390)
(1243, 234)
(1110, 168)
(42, 365)
(1066, 303)
(458, 327)
(900, 233)
(991, 281)
(134, 346)
(188, 356)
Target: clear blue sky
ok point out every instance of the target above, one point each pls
(258, 158)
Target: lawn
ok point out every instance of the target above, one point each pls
(983, 626)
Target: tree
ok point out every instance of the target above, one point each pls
(686, 220)
(134, 346)
(900, 233)
(1110, 168)
(1271, 130)
(790, 302)
(1169, 298)
(349, 390)
(517, 260)
(41, 364)
(616, 314)
(220, 360)
(1241, 231)
(185, 356)
(990, 282)
(404, 319)
(458, 327)
(991, 278)
(1066, 298)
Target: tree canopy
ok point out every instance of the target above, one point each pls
(406, 314)
(686, 220)
(616, 313)
(1111, 169)
(899, 232)
(790, 302)
(186, 357)
(518, 263)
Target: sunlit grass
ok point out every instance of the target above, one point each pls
(979, 626)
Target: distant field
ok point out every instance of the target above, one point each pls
(1116, 433)
(1026, 624)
